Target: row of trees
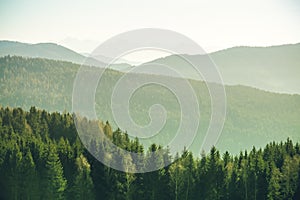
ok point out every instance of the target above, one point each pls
(41, 157)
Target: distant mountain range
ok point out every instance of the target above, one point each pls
(56, 52)
(275, 68)
(45, 50)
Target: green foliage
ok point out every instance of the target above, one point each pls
(35, 165)
(253, 116)
(54, 178)
(274, 184)
(83, 184)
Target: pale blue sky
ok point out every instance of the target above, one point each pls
(83, 24)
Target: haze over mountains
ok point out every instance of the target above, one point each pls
(44, 50)
(275, 69)
(253, 116)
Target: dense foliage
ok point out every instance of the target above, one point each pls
(253, 116)
(41, 157)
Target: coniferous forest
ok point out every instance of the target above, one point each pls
(254, 117)
(41, 157)
(149, 100)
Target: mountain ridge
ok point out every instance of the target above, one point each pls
(272, 68)
(45, 50)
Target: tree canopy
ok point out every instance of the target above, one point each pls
(41, 157)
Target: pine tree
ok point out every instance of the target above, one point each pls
(14, 176)
(83, 187)
(129, 178)
(55, 182)
(188, 173)
(154, 161)
(176, 179)
(274, 184)
(215, 175)
(29, 181)
(289, 178)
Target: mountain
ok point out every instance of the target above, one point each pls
(45, 50)
(57, 52)
(254, 117)
(275, 68)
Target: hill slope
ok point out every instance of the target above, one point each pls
(254, 117)
(275, 68)
(45, 50)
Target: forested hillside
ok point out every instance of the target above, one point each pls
(253, 116)
(41, 157)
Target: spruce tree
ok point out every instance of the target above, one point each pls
(274, 184)
(83, 187)
(56, 183)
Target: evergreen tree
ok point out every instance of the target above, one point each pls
(14, 174)
(176, 179)
(83, 184)
(274, 184)
(29, 181)
(55, 182)
(290, 177)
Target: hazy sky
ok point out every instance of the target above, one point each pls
(83, 24)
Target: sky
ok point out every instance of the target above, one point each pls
(83, 24)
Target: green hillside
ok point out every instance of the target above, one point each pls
(254, 117)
